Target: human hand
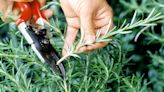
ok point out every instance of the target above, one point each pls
(90, 16)
(7, 8)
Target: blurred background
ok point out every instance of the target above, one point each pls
(124, 65)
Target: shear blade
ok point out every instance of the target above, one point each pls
(43, 48)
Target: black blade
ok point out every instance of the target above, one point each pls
(45, 49)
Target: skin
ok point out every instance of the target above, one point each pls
(7, 8)
(90, 16)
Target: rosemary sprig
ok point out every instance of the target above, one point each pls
(125, 28)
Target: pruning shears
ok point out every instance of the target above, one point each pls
(37, 36)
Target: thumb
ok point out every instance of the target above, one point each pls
(87, 30)
(70, 39)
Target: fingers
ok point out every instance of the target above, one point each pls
(103, 29)
(87, 31)
(96, 45)
(70, 39)
(7, 9)
(87, 26)
(90, 48)
(98, 23)
(48, 13)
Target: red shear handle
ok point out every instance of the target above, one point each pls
(37, 13)
(28, 10)
(25, 10)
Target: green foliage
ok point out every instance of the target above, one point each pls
(124, 65)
